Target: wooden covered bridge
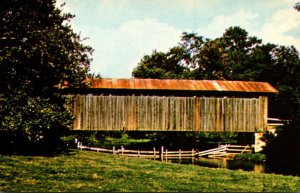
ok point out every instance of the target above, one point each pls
(172, 105)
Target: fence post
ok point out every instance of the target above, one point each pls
(79, 145)
(122, 150)
(166, 154)
(114, 150)
(138, 153)
(179, 153)
(193, 156)
(162, 153)
(154, 153)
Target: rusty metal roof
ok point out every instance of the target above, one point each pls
(184, 85)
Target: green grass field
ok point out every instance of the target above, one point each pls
(90, 171)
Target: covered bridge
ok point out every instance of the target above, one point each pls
(172, 105)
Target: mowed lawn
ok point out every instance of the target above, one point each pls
(91, 171)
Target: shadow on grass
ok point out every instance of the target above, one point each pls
(40, 152)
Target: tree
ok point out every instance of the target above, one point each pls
(224, 58)
(297, 6)
(283, 151)
(39, 53)
(238, 49)
(177, 63)
(163, 65)
(94, 75)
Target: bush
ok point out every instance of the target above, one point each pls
(253, 157)
(33, 124)
(69, 141)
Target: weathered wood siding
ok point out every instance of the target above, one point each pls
(153, 113)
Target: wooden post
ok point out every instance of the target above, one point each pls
(114, 150)
(154, 153)
(263, 112)
(79, 145)
(225, 163)
(122, 150)
(138, 153)
(180, 154)
(166, 154)
(193, 156)
(162, 153)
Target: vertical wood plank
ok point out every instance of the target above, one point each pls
(169, 113)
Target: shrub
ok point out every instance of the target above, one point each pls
(253, 157)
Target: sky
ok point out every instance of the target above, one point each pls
(121, 32)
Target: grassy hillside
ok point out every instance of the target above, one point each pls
(91, 171)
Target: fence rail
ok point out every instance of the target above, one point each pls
(123, 151)
(178, 154)
(218, 150)
(226, 151)
(222, 151)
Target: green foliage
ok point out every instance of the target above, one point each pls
(69, 141)
(253, 157)
(94, 75)
(39, 54)
(110, 139)
(147, 140)
(186, 140)
(37, 122)
(162, 66)
(95, 172)
(125, 141)
(226, 57)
